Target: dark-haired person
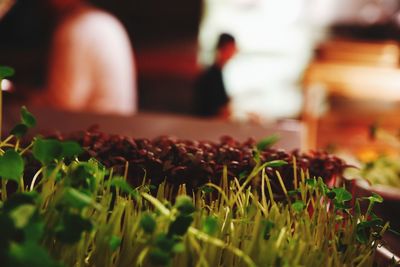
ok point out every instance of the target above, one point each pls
(91, 66)
(211, 99)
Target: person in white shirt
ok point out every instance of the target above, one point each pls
(91, 66)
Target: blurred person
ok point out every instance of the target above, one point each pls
(211, 98)
(91, 65)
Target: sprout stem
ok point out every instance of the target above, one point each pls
(219, 243)
(156, 203)
(34, 178)
(5, 141)
(295, 172)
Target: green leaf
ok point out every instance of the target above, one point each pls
(342, 195)
(115, 242)
(76, 199)
(11, 166)
(361, 235)
(180, 225)
(268, 226)
(159, 257)
(19, 130)
(207, 189)
(6, 72)
(71, 149)
(294, 192)
(47, 150)
(8, 231)
(178, 247)
(311, 182)
(185, 205)
(275, 163)
(71, 228)
(210, 225)
(27, 118)
(124, 186)
(52, 169)
(34, 230)
(362, 232)
(298, 206)
(267, 142)
(82, 176)
(30, 254)
(22, 214)
(19, 199)
(148, 223)
(331, 195)
(375, 198)
(164, 242)
(324, 188)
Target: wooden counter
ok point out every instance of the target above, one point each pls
(151, 125)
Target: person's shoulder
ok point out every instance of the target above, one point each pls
(90, 21)
(92, 25)
(97, 18)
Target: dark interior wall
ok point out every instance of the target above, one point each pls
(154, 20)
(24, 40)
(28, 22)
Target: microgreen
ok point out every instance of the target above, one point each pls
(275, 163)
(77, 199)
(19, 130)
(210, 225)
(180, 225)
(6, 72)
(22, 214)
(148, 223)
(29, 254)
(268, 226)
(75, 215)
(70, 228)
(185, 205)
(27, 118)
(11, 166)
(115, 242)
(298, 206)
(207, 189)
(27, 121)
(124, 186)
(267, 142)
(48, 150)
(341, 197)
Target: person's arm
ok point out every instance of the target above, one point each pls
(113, 67)
(68, 76)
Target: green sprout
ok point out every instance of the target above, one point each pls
(73, 214)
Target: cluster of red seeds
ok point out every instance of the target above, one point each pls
(195, 163)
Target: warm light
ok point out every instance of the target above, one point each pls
(5, 6)
(275, 45)
(6, 85)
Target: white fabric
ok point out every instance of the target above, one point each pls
(91, 65)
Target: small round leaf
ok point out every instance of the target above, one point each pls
(11, 166)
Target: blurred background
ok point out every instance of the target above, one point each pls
(333, 64)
